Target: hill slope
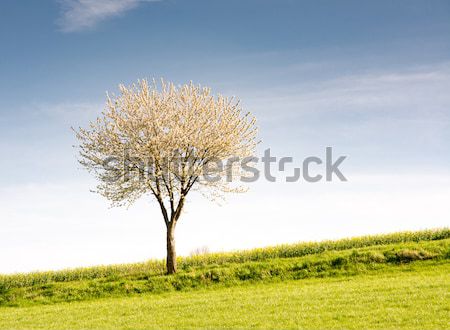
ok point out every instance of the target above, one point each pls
(384, 281)
(298, 261)
(412, 296)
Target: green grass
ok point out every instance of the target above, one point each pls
(406, 296)
(386, 281)
(289, 262)
(156, 267)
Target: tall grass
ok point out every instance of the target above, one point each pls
(379, 259)
(308, 248)
(156, 267)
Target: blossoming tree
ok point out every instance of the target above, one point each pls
(165, 141)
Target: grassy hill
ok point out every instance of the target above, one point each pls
(383, 281)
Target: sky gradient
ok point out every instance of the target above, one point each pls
(370, 79)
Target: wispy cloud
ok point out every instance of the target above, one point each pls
(70, 112)
(77, 15)
(418, 92)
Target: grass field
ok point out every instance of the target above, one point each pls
(386, 281)
(415, 296)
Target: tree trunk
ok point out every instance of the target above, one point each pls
(171, 261)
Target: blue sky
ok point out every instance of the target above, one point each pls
(371, 79)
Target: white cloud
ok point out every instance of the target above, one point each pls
(77, 15)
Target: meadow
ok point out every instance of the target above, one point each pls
(386, 281)
(414, 297)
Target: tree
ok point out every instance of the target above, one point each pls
(165, 141)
